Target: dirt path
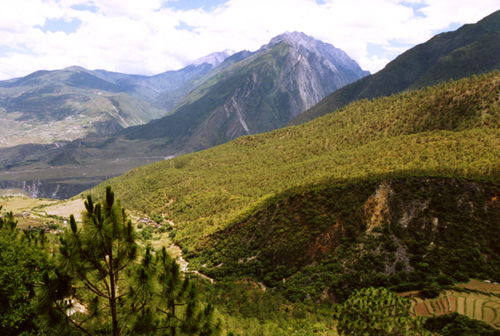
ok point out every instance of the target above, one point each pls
(176, 251)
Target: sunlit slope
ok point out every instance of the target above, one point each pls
(472, 49)
(449, 130)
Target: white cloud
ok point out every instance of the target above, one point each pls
(141, 36)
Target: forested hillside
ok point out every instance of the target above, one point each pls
(472, 49)
(297, 195)
(399, 192)
(449, 130)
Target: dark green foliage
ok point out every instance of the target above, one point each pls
(21, 266)
(100, 286)
(373, 312)
(249, 310)
(431, 290)
(176, 309)
(8, 221)
(459, 325)
(147, 232)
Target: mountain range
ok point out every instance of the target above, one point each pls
(63, 105)
(247, 93)
(210, 103)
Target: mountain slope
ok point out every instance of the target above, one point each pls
(450, 129)
(169, 99)
(62, 105)
(336, 203)
(245, 94)
(332, 238)
(472, 49)
(258, 94)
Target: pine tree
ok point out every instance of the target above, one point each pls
(372, 312)
(100, 286)
(8, 221)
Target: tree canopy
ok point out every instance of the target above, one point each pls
(100, 285)
(373, 312)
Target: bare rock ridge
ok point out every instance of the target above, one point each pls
(306, 45)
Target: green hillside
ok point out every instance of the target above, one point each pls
(472, 49)
(400, 192)
(450, 130)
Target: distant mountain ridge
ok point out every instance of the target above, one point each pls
(472, 49)
(86, 102)
(215, 58)
(259, 93)
(219, 98)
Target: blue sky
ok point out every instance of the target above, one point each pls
(152, 36)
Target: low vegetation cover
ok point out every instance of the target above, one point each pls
(377, 312)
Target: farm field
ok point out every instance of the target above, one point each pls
(20, 204)
(66, 208)
(38, 210)
(481, 303)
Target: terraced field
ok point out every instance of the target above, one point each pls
(483, 305)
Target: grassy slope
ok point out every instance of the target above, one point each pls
(449, 130)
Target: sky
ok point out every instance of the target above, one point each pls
(152, 36)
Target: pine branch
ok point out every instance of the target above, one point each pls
(76, 325)
(96, 290)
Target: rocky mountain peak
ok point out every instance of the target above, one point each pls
(307, 45)
(215, 58)
(295, 39)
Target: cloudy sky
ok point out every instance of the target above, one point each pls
(152, 36)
